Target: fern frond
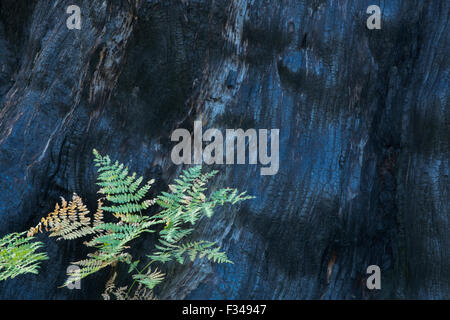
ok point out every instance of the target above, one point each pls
(68, 221)
(124, 191)
(18, 255)
(111, 241)
(111, 289)
(98, 216)
(87, 267)
(142, 293)
(150, 279)
(200, 249)
(187, 202)
(120, 293)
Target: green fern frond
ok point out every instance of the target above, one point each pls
(187, 202)
(87, 267)
(200, 249)
(150, 279)
(124, 191)
(18, 255)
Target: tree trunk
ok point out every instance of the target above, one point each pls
(364, 135)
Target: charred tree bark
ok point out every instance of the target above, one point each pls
(364, 135)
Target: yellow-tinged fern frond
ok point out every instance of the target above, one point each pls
(143, 293)
(120, 293)
(98, 216)
(68, 221)
(111, 290)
